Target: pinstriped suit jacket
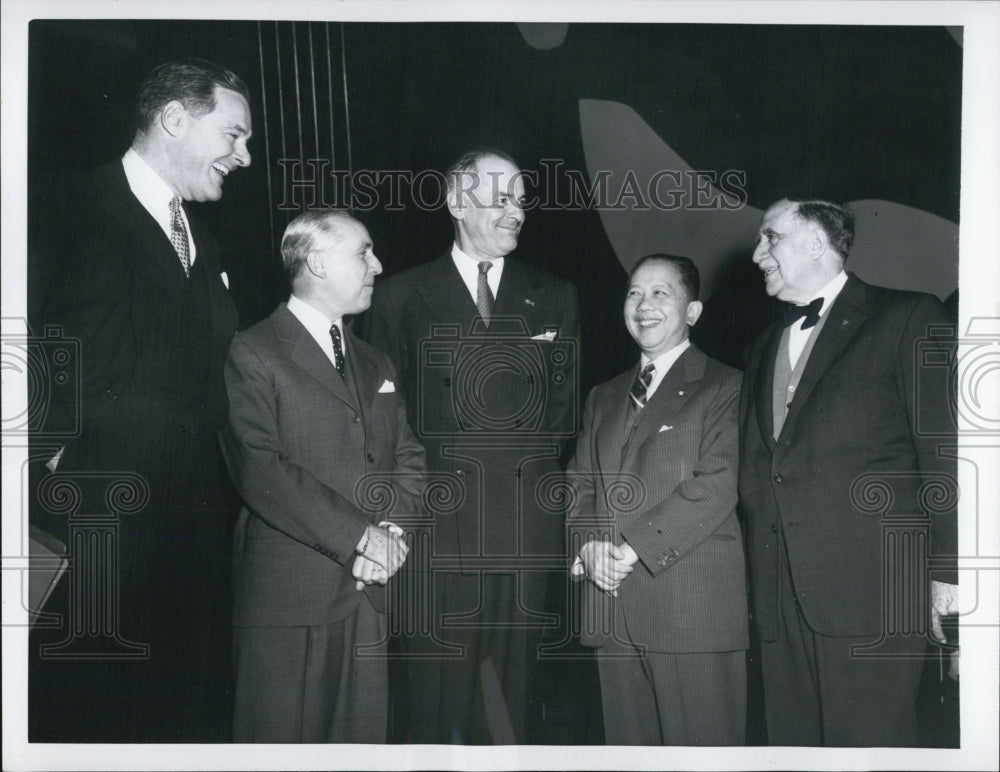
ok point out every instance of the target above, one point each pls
(668, 487)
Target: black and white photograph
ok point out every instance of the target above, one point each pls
(411, 385)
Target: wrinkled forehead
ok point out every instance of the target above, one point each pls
(781, 216)
(497, 175)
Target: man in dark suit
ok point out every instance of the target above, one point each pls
(835, 474)
(653, 528)
(316, 431)
(139, 285)
(486, 350)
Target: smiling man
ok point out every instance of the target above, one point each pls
(654, 529)
(485, 345)
(830, 414)
(314, 414)
(139, 285)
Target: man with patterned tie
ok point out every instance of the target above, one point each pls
(317, 433)
(138, 282)
(831, 410)
(653, 528)
(486, 350)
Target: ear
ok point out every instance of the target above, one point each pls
(316, 264)
(819, 243)
(693, 312)
(173, 116)
(455, 204)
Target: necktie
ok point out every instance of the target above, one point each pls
(179, 235)
(484, 296)
(811, 312)
(639, 386)
(338, 349)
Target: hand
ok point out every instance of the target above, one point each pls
(607, 565)
(367, 572)
(385, 547)
(944, 602)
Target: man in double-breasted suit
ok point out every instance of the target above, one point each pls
(841, 433)
(138, 284)
(318, 445)
(653, 528)
(486, 349)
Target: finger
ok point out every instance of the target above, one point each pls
(937, 632)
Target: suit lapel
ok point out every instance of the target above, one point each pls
(615, 415)
(673, 392)
(844, 322)
(306, 353)
(764, 385)
(446, 296)
(363, 371)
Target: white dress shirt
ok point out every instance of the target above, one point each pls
(318, 326)
(468, 269)
(154, 195)
(797, 337)
(662, 363)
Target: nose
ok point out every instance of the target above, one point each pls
(374, 265)
(759, 250)
(241, 154)
(515, 210)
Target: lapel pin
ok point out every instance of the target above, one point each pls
(844, 322)
(529, 301)
(680, 393)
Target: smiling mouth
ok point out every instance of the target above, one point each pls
(769, 271)
(222, 170)
(644, 323)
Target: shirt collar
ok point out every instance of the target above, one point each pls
(666, 360)
(317, 323)
(830, 291)
(153, 193)
(468, 269)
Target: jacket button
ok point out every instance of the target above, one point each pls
(778, 478)
(460, 472)
(355, 418)
(447, 382)
(371, 458)
(774, 528)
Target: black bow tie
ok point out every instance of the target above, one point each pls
(810, 312)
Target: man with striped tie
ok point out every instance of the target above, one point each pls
(654, 532)
(137, 280)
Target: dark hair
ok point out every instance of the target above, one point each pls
(686, 269)
(192, 82)
(468, 163)
(836, 220)
(299, 238)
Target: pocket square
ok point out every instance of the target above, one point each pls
(225, 279)
(664, 428)
(548, 335)
(387, 387)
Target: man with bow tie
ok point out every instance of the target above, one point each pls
(486, 347)
(318, 446)
(833, 475)
(653, 528)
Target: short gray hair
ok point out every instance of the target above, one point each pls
(300, 236)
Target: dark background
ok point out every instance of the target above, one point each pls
(845, 113)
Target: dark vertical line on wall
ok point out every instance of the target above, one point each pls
(281, 90)
(312, 74)
(329, 86)
(298, 100)
(267, 143)
(347, 121)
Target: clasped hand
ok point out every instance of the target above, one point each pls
(607, 564)
(382, 551)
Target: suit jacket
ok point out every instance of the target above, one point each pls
(151, 394)
(668, 487)
(493, 407)
(316, 461)
(856, 418)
